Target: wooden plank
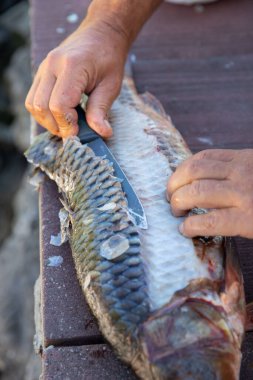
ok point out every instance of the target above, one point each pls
(200, 66)
(247, 359)
(94, 362)
(66, 316)
(97, 362)
(49, 25)
(245, 249)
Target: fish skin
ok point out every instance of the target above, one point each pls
(195, 328)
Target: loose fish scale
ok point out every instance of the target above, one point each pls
(121, 281)
(169, 258)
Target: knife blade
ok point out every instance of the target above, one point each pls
(97, 144)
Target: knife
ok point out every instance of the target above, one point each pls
(96, 143)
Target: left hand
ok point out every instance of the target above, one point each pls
(219, 180)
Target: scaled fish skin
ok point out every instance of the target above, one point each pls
(171, 307)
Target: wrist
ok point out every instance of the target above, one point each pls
(122, 19)
(105, 20)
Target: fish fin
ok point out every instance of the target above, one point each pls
(249, 318)
(154, 103)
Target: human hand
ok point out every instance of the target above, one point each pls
(219, 180)
(91, 61)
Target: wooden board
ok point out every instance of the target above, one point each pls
(94, 362)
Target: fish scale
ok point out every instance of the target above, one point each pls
(89, 240)
(169, 259)
(171, 307)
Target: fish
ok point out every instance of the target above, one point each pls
(173, 308)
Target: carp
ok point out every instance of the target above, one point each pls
(171, 307)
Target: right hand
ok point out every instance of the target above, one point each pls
(91, 61)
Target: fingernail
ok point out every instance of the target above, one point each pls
(106, 129)
(181, 228)
(69, 118)
(168, 197)
(107, 124)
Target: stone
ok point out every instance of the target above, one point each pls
(19, 267)
(19, 80)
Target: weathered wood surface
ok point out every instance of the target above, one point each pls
(198, 62)
(92, 362)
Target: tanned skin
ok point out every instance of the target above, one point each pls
(91, 60)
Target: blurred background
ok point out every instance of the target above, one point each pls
(19, 240)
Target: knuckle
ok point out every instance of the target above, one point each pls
(203, 155)
(209, 221)
(94, 119)
(103, 107)
(53, 56)
(56, 108)
(86, 74)
(194, 167)
(39, 108)
(70, 60)
(75, 58)
(195, 188)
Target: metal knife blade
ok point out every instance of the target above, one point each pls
(97, 144)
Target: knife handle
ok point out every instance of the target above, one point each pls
(86, 134)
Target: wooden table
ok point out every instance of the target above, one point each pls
(199, 62)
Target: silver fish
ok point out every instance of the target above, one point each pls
(172, 307)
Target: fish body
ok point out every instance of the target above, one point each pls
(172, 307)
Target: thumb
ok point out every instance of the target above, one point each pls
(98, 106)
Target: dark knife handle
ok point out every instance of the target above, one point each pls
(86, 134)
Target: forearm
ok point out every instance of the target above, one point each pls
(125, 17)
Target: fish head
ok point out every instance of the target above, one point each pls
(190, 340)
(44, 150)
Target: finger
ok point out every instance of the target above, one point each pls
(191, 170)
(225, 222)
(225, 155)
(31, 93)
(64, 98)
(98, 106)
(41, 109)
(203, 194)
